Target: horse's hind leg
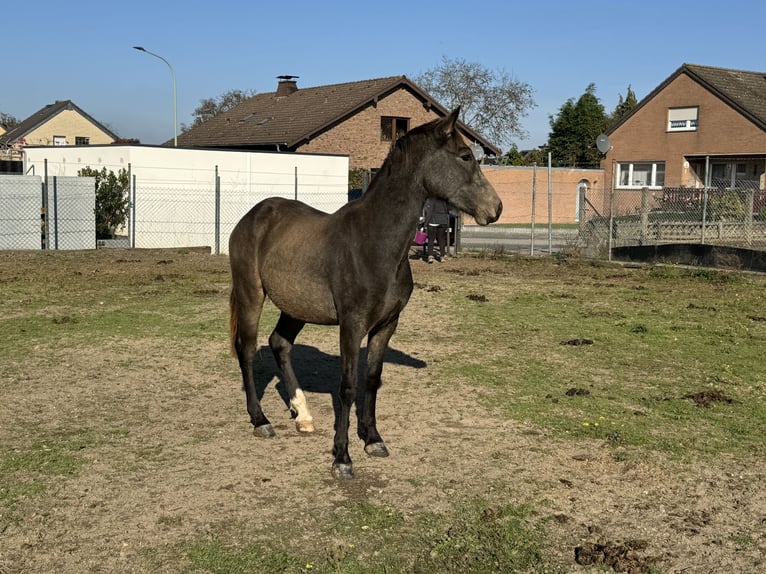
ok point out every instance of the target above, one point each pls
(377, 343)
(281, 342)
(246, 306)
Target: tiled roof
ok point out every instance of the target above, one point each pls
(40, 117)
(271, 119)
(744, 91)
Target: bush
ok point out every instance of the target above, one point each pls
(112, 200)
(726, 206)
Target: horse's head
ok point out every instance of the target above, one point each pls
(453, 174)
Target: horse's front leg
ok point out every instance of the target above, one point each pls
(349, 357)
(377, 343)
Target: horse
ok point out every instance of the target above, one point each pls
(349, 268)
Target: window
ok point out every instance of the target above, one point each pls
(59, 140)
(645, 174)
(393, 128)
(683, 119)
(81, 140)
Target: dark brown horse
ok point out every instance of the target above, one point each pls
(349, 268)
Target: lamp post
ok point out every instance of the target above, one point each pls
(172, 72)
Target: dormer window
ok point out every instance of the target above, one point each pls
(683, 119)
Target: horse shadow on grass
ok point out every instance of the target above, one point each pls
(319, 372)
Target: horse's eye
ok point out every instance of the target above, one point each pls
(466, 155)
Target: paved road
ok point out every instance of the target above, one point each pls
(516, 239)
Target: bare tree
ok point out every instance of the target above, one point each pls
(210, 107)
(8, 121)
(491, 102)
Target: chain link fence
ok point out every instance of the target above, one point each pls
(53, 213)
(715, 216)
(58, 212)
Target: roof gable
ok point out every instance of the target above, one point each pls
(44, 115)
(288, 118)
(743, 91)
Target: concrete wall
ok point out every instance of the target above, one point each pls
(175, 188)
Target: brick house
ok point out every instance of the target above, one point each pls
(358, 119)
(702, 126)
(60, 123)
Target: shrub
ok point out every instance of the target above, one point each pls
(112, 199)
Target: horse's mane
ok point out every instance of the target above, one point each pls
(402, 150)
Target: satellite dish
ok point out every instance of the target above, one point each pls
(603, 144)
(477, 151)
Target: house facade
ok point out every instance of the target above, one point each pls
(701, 127)
(359, 119)
(58, 124)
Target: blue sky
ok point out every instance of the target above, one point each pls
(82, 50)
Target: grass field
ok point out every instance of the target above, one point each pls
(543, 415)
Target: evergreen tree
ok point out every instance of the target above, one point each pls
(623, 107)
(574, 130)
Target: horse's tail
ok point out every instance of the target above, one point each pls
(233, 322)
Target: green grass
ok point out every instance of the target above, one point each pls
(658, 335)
(666, 334)
(474, 537)
(36, 470)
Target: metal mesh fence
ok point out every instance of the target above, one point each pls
(731, 217)
(169, 209)
(57, 213)
(721, 216)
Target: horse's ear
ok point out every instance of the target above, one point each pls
(448, 123)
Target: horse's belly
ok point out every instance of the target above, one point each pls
(303, 300)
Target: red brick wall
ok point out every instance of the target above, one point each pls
(515, 186)
(359, 136)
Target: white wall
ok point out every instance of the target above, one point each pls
(175, 187)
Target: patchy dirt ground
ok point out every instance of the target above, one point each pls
(171, 457)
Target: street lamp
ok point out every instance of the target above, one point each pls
(175, 114)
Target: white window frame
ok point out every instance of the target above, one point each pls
(621, 167)
(684, 119)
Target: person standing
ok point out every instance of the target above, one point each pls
(436, 220)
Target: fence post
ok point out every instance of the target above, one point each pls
(704, 198)
(217, 212)
(44, 209)
(611, 226)
(550, 203)
(133, 209)
(534, 201)
(644, 215)
(749, 200)
(55, 213)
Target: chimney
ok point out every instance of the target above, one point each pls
(286, 86)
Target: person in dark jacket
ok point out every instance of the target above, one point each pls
(436, 221)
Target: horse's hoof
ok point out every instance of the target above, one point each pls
(376, 449)
(304, 426)
(264, 431)
(342, 471)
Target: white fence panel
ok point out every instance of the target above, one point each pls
(20, 202)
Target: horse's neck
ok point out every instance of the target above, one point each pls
(395, 203)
